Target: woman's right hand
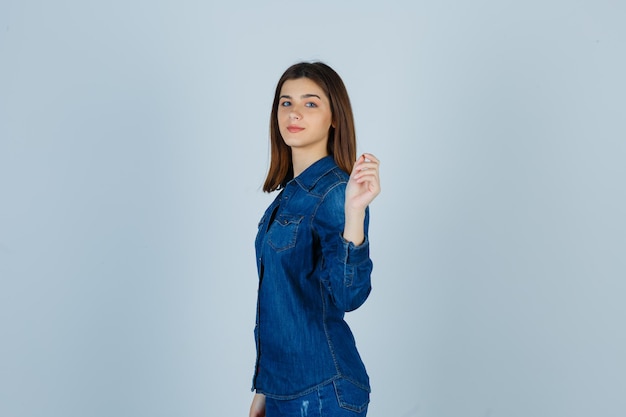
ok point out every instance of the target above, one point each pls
(257, 409)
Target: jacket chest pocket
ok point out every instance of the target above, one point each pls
(283, 232)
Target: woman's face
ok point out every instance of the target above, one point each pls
(304, 115)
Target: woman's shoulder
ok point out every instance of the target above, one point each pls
(331, 192)
(331, 180)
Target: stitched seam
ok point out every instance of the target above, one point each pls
(330, 343)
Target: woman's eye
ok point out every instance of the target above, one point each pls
(311, 105)
(286, 103)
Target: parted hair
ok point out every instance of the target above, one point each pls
(341, 136)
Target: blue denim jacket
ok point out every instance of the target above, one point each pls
(309, 276)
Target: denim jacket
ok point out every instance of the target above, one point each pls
(309, 276)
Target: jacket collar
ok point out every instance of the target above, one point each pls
(310, 176)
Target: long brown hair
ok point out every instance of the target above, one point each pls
(341, 137)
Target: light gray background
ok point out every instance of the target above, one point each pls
(133, 144)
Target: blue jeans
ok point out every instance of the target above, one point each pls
(336, 399)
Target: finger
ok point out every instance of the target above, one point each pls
(371, 158)
(367, 158)
(367, 166)
(364, 162)
(357, 163)
(368, 178)
(366, 169)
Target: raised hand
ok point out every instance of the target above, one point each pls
(364, 183)
(363, 186)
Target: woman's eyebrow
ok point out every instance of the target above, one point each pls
(302, 96)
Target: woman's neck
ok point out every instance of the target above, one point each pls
(303, 160)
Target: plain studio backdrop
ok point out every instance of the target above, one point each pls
(133, 147)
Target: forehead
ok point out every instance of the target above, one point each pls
(300, 87)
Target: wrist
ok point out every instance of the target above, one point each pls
(356, 212)
(354, 230)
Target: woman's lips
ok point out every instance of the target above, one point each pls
(294, 129)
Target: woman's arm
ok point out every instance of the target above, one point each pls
(347, 267)
(257, 409)
(363, 186)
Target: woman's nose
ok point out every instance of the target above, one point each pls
(294, 115)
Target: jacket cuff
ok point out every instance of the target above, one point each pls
(354, 254)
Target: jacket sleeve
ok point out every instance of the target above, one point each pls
(346, 268)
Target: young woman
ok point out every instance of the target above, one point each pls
(312, 252)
